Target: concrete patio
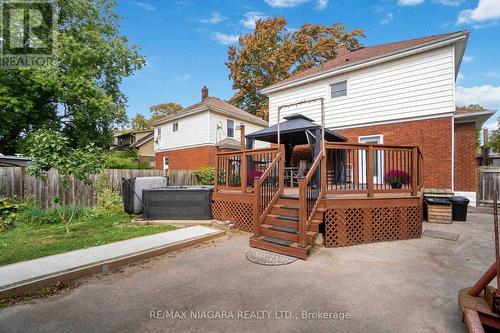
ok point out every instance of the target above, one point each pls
(403, 286)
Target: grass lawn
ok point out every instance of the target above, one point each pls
(29, 241)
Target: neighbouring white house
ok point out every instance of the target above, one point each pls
(400, 93)
(190, 138)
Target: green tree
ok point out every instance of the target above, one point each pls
(494, 138)
(272, 53)
(140, 123)
(51, 150)
(161, 110)
(80, 93)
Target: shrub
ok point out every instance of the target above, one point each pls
(124, 159)
(8, 214)
(30, 214)
(205, 176)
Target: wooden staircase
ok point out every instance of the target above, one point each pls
(279, 231)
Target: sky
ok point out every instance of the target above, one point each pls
(185, 42)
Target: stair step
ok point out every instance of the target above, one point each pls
(282, 242)
(288, 217)
(291, 201)
(284, 229)
(292, 250)
(289, 210)
(293, 197)
(288, 207)
(273, 220)
(289, 234)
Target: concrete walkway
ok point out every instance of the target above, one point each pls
(36, 269)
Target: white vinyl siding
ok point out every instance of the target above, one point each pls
(191, 131)
(199, 129)
(217, 134)
(420, 85)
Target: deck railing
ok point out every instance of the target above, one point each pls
(373, 168)
(268, 187)
(237, 170)
(310, 195)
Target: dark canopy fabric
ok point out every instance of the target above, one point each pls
(293, 131)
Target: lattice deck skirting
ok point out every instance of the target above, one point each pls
(236, 209)
(347, 222)
(352, 226)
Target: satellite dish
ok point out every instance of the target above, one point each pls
(219, 124)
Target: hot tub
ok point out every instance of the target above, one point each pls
(178, 203)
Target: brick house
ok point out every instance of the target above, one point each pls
(399, 93)
(190, 138)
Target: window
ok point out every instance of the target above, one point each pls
(230, 128)
(158, 134)
(165, 163)
(175, 127)
(338, 89)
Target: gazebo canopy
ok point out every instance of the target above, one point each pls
(295, 131)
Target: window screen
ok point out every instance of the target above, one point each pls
(175, 127)
(338, 89)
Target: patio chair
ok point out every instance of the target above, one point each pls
(301, 172)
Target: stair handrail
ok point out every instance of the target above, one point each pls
(305, 219)
(259, 216)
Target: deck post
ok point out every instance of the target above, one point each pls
(282, 169)
(243, 172)
(227, 175)
(216, 173)
(256, 207)
(414, 171)
(323, 173)
(302, 212)
(369, 170)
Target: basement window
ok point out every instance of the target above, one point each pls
(230, 128)
(175, 127)
(338, 89)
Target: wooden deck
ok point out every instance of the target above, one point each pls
(346, 189)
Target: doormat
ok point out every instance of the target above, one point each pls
(263, 257)
(440, 234)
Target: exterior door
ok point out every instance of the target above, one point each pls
(377, 160)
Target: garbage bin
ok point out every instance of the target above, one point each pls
(459, 208)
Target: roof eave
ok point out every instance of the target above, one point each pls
(181, 115)
(479, 118)
(451, 39)
(258, 121)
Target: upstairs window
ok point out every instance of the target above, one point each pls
(175, 127)
(158, 134)
(230, 128)
(338, 89)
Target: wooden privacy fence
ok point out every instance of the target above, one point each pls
(13, 178)
(489, 180)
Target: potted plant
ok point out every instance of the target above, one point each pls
(397, 178)
(252, 175)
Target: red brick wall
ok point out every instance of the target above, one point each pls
(465, 157)
(187, 159)
(433, 136)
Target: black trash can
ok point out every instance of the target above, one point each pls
(459, 208)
